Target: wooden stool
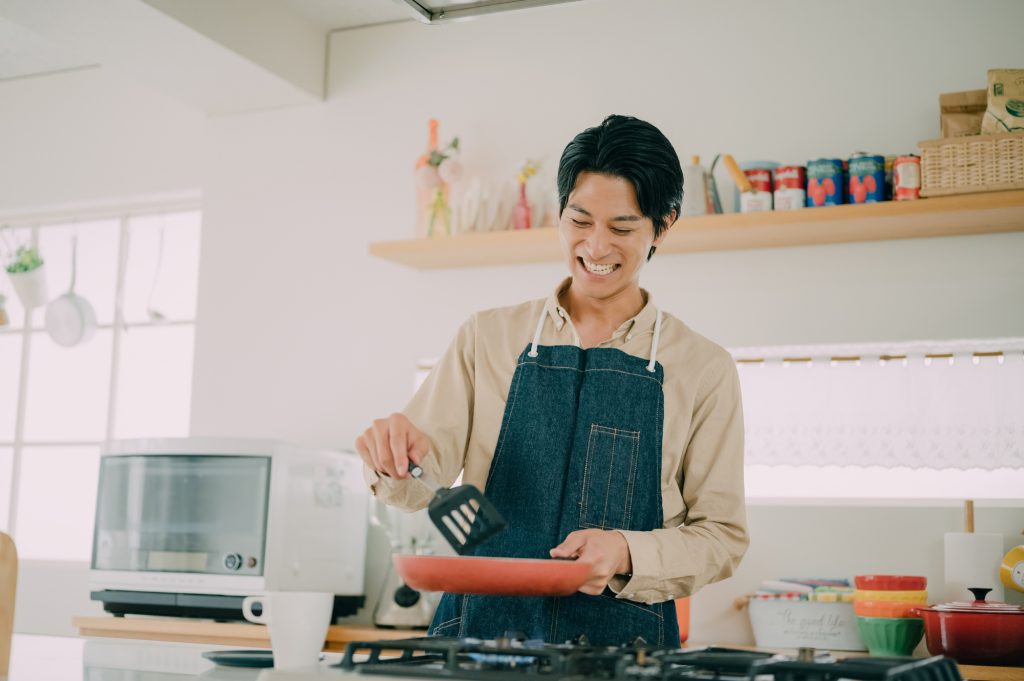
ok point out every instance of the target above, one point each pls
(8, 583)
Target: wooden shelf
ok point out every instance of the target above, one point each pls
(185, 630)
(966, 214)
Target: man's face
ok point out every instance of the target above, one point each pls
(605, 238)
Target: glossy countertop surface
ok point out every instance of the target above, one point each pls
(63, 658)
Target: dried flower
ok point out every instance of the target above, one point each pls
(528, 170)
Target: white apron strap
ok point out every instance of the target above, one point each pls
(654, 343)
(536, 335)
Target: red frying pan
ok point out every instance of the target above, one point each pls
(492, 576)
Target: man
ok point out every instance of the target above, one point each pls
(603, 429)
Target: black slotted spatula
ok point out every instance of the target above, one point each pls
(462, 514)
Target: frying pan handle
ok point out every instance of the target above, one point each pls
(417, 472)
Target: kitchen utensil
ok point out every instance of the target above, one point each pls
(890, 582)
(70, 319)
(890, 636)
(1011, 571)
(399, 605)
(979, 632)
(492, 576)
(462, 514)
(155, 315)
(972, 559)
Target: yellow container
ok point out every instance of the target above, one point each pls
(901, 596)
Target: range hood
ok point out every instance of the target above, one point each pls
(440, 11)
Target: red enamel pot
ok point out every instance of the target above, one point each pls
(978, 632)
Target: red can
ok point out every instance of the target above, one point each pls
(906, 178)
(760, 199)
(790, 184)
(760, 179)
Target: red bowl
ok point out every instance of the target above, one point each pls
(890, 582)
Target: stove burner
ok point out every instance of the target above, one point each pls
(511, 656)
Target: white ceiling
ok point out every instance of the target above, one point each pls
(24, 53)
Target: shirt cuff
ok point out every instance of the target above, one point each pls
(646, 584)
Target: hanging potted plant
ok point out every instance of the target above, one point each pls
(28, 275)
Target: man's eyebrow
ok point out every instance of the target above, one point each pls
(620, 218)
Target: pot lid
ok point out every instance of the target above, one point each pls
(980, 605)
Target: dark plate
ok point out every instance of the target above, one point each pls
(243, 658)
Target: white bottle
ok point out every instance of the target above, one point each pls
(695, 199)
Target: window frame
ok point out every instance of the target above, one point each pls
(123, 213)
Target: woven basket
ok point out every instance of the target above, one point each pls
(977, 163)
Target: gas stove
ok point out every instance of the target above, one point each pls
(511, 658)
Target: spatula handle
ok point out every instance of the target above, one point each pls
(417, 472)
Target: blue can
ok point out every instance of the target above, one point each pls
(867, 179)
(825, 182)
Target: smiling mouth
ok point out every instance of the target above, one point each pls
(599, 270)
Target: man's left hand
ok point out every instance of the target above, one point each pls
(606, 551)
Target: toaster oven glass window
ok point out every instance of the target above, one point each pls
(182, 513)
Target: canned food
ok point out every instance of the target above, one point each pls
(825, 185)
(906, 178)
(790, 182)
(760, 198)
(867, 179)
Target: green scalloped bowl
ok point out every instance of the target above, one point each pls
(891, 636)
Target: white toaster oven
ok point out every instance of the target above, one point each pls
(191, 526)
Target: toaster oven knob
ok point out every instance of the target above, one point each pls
(232, 561)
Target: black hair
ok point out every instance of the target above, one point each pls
(636, 151)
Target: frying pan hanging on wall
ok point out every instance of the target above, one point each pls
(70, 319)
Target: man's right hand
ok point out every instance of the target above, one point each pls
(389, 444)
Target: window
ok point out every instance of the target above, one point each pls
(139, 271)
(919, 420)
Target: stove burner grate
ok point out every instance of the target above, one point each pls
(509, 659)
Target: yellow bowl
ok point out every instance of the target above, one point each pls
(901, 596)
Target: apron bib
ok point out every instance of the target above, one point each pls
(579, 447)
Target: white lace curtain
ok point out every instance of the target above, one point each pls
(951, 404)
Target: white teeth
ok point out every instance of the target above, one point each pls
(594, 268)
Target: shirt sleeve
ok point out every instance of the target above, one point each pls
(675, 562)
(442, 410)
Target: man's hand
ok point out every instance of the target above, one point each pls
(389, 444)
(606, 551)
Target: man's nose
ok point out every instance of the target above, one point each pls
(598, 243)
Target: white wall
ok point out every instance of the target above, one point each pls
(301, 335)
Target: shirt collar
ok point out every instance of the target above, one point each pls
(643, 321)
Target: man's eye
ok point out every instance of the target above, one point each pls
(578, 223)
(621, 232)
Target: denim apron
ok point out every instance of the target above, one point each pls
(579, 447)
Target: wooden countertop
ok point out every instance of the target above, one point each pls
(338, 636)
(183, 630)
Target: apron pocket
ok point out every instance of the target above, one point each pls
(609, 475)
(609, 621)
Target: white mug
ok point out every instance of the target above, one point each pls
(297, 621)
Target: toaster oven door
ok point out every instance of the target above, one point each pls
(182, 513)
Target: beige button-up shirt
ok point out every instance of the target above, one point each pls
(461, 403)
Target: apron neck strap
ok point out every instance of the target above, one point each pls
(654, 343)
(540, 327)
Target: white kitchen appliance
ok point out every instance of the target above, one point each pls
(399, 605)
(192, 526)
